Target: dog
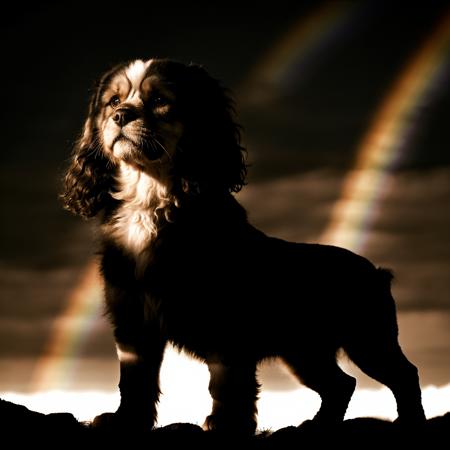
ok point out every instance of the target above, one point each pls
(158, 161)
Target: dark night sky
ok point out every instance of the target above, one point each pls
(302, 138)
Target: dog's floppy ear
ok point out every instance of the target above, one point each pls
(88, 178)
(210, 151)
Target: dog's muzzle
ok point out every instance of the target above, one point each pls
(123, 116)
(149, 146)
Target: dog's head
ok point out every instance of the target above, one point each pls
(164, 118)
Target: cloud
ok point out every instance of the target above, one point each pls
(425, 338)
(34, 293)
(31, 300)
(36, 232)
(292, 207)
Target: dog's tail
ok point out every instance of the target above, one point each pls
(386, 302)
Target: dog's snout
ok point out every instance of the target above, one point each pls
(123, 116)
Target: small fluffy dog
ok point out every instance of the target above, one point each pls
(158, 161)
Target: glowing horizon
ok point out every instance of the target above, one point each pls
(189, 401)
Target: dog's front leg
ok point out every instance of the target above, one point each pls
(139, 383)
(139, 386)
(140, 347)
(234, 389)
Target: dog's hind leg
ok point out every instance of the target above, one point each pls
(234, 389)
(321, 373)
(373, 346)
(386, 363)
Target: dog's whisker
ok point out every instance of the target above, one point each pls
(162, 147)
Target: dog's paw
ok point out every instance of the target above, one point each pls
(412, 421)
(105, 421)
(229, 425)
(117, 422)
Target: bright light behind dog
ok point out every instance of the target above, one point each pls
(186, 399)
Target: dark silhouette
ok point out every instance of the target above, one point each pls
(158, 160)
(20, 425)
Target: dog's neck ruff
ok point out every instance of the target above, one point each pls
(142, 197)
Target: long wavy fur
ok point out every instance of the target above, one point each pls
(211, 155)
(87, 182)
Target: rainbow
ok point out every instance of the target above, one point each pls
(58, 361)
(362, 190)
(386, 141)
(296, 52)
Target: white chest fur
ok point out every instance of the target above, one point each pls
(135, 223)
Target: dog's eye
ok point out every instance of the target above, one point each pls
(159, 101)
(115, 101)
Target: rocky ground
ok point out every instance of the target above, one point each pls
(19, 425)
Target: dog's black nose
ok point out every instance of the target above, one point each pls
(123, 116)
